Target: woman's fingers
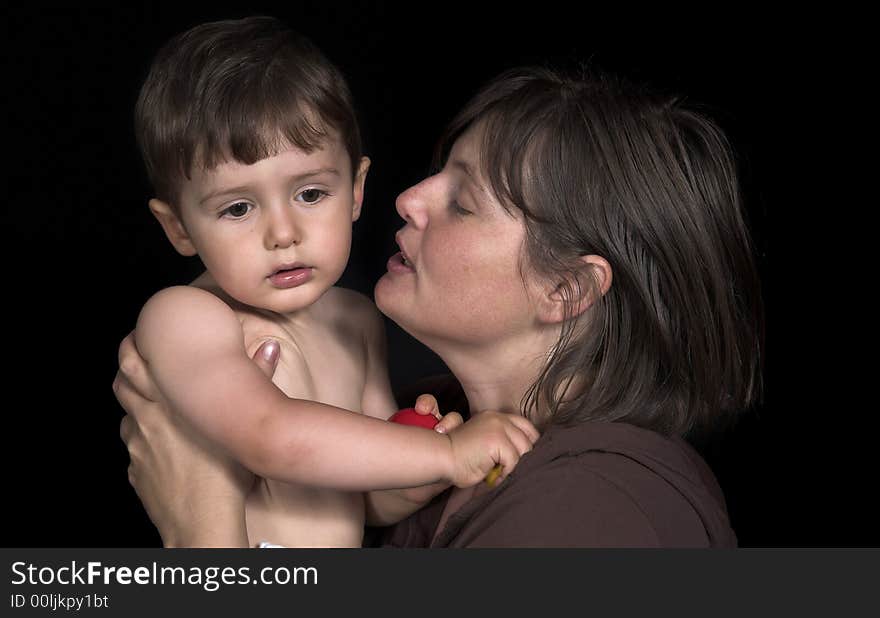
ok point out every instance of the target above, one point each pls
(427, 404)
(131, 400)
(129, 432)
(126, 429)
(134, 368)
(267, 355)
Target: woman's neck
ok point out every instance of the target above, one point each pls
(497, 377)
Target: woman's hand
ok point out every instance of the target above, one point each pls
(192, 491)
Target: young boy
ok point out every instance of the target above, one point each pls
(251, 143)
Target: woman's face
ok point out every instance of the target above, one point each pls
(457, 279)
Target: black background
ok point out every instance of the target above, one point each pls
(83, 253)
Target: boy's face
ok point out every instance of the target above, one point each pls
(276, 234)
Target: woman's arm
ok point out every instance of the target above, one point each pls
(192, 492)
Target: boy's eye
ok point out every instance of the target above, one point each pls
(237, 210)
(311, 196)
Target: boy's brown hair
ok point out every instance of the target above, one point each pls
(238, 89)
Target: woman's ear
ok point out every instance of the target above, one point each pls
(173, 226)
(359, 180)
(577, 292)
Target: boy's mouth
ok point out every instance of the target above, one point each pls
(290, 275)
(287, 268)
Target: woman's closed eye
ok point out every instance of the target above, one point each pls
(456, 208)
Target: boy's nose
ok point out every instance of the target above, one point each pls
(412, 204)
(282, 230)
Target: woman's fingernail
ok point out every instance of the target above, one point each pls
(439, 429)
(270, 350)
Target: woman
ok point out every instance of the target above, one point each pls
(581, 258)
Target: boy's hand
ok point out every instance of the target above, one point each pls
(487, 440)
(427, 404)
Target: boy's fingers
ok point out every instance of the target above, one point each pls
(427, 404)
(525, 425)
(520, 440)
(449, 422)
(508, 460)
(267, 355)
(519, 444)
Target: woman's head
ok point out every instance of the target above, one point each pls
(456, 281)
(599, 173)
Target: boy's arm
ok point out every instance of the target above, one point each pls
(388, 506)
(193, 345)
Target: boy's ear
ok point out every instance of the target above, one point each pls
(173, 226)
(578, 293)
(359, 179)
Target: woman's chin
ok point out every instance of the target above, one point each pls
(394, 302)
(386, 296)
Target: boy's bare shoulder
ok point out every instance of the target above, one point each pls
(186, 300)
(182, 307)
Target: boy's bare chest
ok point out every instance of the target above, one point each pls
(319, 363)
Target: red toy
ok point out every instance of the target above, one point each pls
(409, 416)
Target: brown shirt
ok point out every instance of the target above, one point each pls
(596, 484)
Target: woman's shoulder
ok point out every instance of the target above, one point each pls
(603, 444)
(608, 484)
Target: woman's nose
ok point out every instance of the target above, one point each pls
(412, 204)
(282, 229)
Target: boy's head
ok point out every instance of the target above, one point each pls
(251, 142)
(237, 90)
